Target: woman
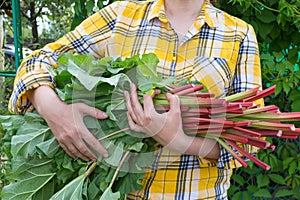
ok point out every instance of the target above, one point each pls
(192, 39)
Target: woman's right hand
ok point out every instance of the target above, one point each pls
(67, 125)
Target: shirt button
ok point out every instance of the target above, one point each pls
(163, 18)
(174, 58)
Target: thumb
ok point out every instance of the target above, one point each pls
(91, 111)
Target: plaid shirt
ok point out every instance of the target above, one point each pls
(219, 50)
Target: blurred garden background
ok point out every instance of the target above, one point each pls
(277, 25)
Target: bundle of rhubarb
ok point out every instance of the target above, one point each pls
(235, 120)
(38, 168)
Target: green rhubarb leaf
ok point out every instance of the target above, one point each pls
(46, 192)
(147, 65)
(136, 147)
(49, 147)
(88, 81)
(116, 154)
(130, 182)
(26, 188)
(72, 190)
(87, 62)
(29, 177)
(23, 168)
(27, 138)
(109, 195)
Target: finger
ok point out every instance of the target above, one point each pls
(77, 146)
(133, 126)
(72, 151)
(137, 107)
(174, 102)
(91, 111)
(66, 149)
(129, 106)
(90, 139)
(148, 109)
(155, 93)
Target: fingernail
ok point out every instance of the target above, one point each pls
(132, 85)
(105, 155)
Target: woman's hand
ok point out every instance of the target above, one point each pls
(166, 128)
(66, 123)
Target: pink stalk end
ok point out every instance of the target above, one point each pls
(263, 144)
(272, 147)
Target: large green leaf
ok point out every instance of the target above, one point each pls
(49, 147)
(88, 81)
(32, 175)
(72, 190)
(115, 155)
(27, 138)
(109, 195)
(147, 65)
(46, 192)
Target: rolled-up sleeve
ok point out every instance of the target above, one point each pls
(88, 37)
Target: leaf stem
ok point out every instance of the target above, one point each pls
(114, 133)
(90, 169)
(118, 169)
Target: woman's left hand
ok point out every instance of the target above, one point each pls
(165, 128)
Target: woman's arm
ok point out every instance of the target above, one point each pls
(66, 123)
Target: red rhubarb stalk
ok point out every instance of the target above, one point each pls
(248, 155)
(273, 126)
(261, 94)
(272, 116)
(194, 88)
(234, 137)
(237, 157)
(181, 88)
(247, 131)
(236, 108)
(263, 144)
(202, 94)
(242, 95)
(268, 133)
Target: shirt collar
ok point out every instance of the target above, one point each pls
(208, 13)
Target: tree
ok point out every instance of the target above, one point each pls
(31, 10)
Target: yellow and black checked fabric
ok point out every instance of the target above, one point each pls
(219, 50)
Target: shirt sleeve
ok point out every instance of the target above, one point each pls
(247, 76)
(33, 72)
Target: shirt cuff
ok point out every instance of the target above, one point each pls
(19, 102)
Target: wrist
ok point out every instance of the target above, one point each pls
(45, 100)
(204, 147)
